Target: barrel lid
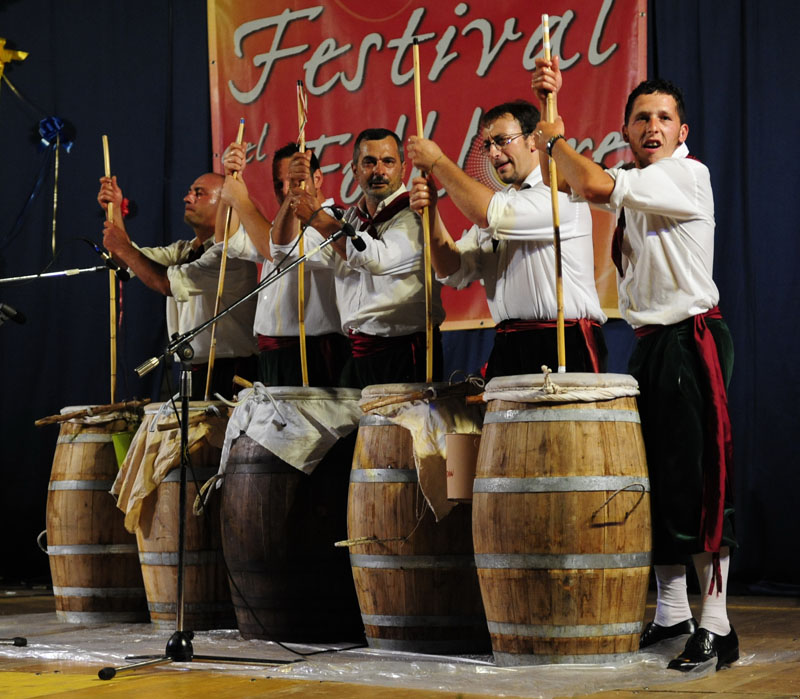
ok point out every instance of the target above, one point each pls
(580, 386)
(301, 393)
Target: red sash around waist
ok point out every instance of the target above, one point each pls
(585, 324)
(366, 345)
(267, 343)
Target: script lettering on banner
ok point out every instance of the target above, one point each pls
(355, 59)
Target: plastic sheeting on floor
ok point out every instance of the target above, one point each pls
(108, 645)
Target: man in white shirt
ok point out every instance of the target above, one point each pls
(380, 288)
(187, 273)
(277, 325)
(664, 248)
(510, 248)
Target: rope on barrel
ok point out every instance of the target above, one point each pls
(375, 540)
(640, 486)
(203, 495)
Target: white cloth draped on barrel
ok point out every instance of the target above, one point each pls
(560, 388)
(429, 420)
(155, 451)
(297, 424)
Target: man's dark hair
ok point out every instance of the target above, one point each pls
(523, 111)
(657, 86)
(288, 151)
(376, 135)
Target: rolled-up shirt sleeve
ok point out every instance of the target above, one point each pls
(472, 246)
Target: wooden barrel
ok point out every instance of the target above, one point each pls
(279, 526)
(93, 560)
(561, 519)
(419, 594)
(207, 601)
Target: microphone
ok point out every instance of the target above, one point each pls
(10, 313)
(122, 274)
(348, 229)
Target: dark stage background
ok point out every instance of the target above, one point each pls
(138, 72)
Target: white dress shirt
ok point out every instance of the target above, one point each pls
(194, 293)
(381, 290)
(276, 313)
(668, 245)
(519, 275)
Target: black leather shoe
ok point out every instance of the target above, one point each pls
(704, 645)
(653, 633)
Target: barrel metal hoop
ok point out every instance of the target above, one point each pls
(170, 607)
(566, 561)
(98, 591)
(80, 485)
(568, 631)
(170, 558)
(91, 549)
(558, 484)
(84, 437)
(100, 617)
(198, 473)
(383, 475)
(440, 562)
(409, 620)
(236, 469)
(560, 415)
(375, 420)
(513, 659)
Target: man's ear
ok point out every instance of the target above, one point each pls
(683, 134)
(625, 134)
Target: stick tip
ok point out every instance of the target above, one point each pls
(241, 120)
(545, 19)
(416, 41)
(299, 83)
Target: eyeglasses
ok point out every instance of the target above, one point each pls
(500, 141)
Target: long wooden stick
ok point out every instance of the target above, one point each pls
(96, 410)
(112, 286)
(301, 269)
(551, 116)
(212, 350)
(426, 233)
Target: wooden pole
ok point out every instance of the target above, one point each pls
(551, 115)
(426, 233)
(212, 350)
(112, 286)
(301, 278)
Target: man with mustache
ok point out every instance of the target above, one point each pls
(510, 248)
(187, 273)
(380, 289)
(664, 252)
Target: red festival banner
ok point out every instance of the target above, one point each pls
(355, 60)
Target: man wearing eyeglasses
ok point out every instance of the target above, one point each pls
(510, 248)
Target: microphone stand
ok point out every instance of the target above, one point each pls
(179, 647)
(62, 273)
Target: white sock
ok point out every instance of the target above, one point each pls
(672, 604)
(714, 608)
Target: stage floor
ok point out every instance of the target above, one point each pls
(63, 660)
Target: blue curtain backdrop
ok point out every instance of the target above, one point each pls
(138, 71)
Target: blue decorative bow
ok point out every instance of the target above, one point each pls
(52, 128)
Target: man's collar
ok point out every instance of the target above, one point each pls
(362, 204)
